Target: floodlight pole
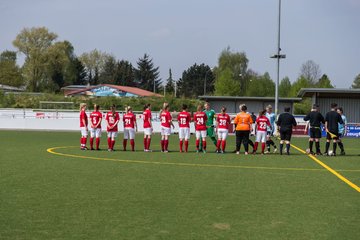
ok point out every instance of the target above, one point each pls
(278, 56)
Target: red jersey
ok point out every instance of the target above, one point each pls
(129, 120)
(95, 118)
(262, 122)
(165, 118)
(223, 121)
(83, 116)
(184, 119)
(200, 119)
(112, 120)
(147, 118)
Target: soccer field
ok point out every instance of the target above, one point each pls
(49, 189)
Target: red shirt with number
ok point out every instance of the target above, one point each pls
(200, 119)
(223, 121)
(112, 119)
(147, 118)
(184, 119)
(262, 122)
(129, 120)
(95, 118)
(165, 118)
(83, 116)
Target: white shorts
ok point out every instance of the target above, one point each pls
(130, 133)
(184, 132)
(200, 134)
(112, 134)
(222, 133)
(83, 132)
(147, 131)
(261, 136)
(95, 132)
(165, 131)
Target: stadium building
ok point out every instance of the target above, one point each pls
(348, 99)
(107, 90)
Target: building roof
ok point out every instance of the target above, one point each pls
(132, 90)
(329, 92)
(249, 98)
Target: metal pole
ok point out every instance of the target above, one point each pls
(278, 66)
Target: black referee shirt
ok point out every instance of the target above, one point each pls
(315, 118)
(333, 118)
(286, 121)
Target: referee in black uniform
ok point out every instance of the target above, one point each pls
(315, 119)
(285, 123)
(332, 120)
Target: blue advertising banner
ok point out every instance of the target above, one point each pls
(353, 130)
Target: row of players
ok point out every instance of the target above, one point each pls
(204, 126)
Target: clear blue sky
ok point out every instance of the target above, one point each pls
(178, 34)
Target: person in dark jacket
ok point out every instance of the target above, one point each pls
(285, 123)
(315, 119)
(332, 120)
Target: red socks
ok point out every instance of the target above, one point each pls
(262, 147)
(132, 143)
(181, 145)
(218, 145)
(109, 143)
(197, 144)
(124, 144)
(145, 143)
(186, 145)
(97, 143)
(204, 144)
(162, 144)
(256, 146)
(148, 143)
(92, 143)
(223, 145)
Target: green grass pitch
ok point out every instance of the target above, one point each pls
(127, 195)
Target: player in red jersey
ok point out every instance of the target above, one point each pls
(200, 119)
(112, 119)
(184, 119)
(166, 122)
(147, 127)
(262, 123)
(83, 126)
(223, 122)
(95, 123)
(130, 127)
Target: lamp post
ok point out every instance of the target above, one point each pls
(205, 80)
(278, 56)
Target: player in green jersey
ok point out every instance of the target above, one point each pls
(211, 115)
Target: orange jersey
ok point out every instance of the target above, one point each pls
(243, 121)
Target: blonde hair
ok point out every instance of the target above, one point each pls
(82, 105)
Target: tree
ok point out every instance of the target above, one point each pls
(356, 83)
(285, 87)
(10, 73)
(94, 63)
(225, 85)
(170, 85)
(34, 43)
(324, 82)
(192, 82)
(147, 75)
(261, 86)
(125, 74)
(310, 71)
(108, 73)
(237, 62)
(301, 82)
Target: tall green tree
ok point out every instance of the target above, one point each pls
(285, 87)
(324, 82)
(356, 82)
(34, 43)
(10, 73)
(225, 85)
(195, 79)
(170, 84)
(125, 74)
(261, 86)
(147, 74)
(237, 62)
(108, 73)
(301, 82)
(94, 62)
